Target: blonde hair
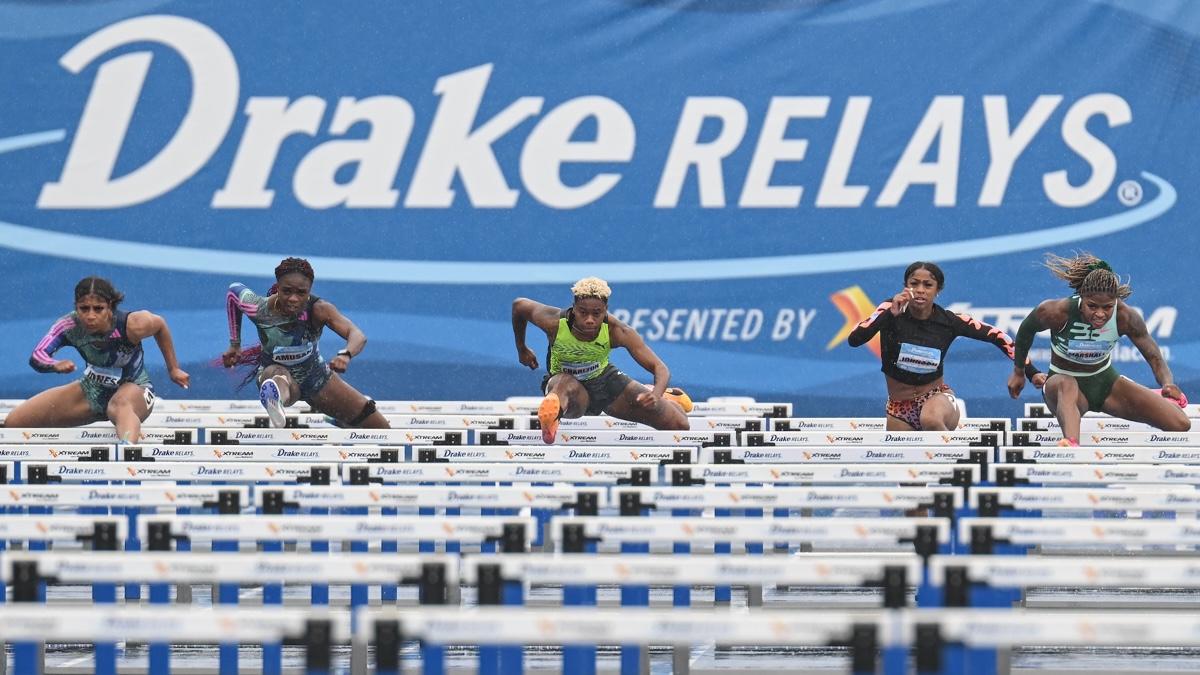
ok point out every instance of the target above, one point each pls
(1088, 274)
(591, 287)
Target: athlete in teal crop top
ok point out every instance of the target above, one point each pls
(1084, 329)
(580, 379)
(287, 359)
(115, 384)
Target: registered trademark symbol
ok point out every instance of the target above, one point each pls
(1130, 193)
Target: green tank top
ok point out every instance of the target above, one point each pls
(583, 360)
(1078, 342)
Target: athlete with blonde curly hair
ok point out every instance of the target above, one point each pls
(1084, 329)
(580, 379)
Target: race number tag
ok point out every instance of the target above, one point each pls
(918, 359)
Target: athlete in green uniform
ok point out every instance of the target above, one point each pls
(580, 380)
(1084, 328)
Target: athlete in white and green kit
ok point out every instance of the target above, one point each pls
(580, 380)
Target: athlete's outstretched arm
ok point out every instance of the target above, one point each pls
(326, 314)
(524, 312)
(869, 327)
(143, 324)
(985, 332)
(1131, 323)
(238, 301)
(1034, 322)
(624, 336)
(42, 359)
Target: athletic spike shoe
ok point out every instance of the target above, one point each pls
(1181, 401)
(1068, 443)
(676, 394)
(548, 413)
(268, 394)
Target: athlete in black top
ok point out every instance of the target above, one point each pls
(915, 334)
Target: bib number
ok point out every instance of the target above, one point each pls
(1088, 351)
(579, 370)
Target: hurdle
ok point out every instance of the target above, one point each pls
(1087, 423)
(990, 502)
(1002, 580)
(934, 439)
(698, 423)
(1032, 473)
(105, 626)
(865, 633)
(829, 424)
(1106, 437)
(336, 436)
(433, 576)
(98, 433)
(610, 437)
(1015, 535)
(676, 454)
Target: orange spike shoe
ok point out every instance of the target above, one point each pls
(548, 413)
(676, 394)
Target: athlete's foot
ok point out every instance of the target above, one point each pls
(548, 413)
(268, 394)
(676, 394)
(1068, 443)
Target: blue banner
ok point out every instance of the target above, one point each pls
(751, 177)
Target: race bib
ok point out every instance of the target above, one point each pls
(1088, 351)
(580, 371)
(918, 359)
(292, 355)
(105, 377)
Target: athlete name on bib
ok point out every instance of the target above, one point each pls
(105, 377)
(292, 355)
(918, 359)
(580, 370)
(1088, 351)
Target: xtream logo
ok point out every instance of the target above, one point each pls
(711, 132)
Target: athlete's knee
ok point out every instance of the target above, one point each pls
(1178, 422)
(368, 409)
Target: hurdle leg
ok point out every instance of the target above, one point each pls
(634, 595)
(227, 594)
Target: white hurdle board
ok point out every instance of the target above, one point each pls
(477, 529)
(58, 453)
(65, 528)
(889, 474)
(1070, 571)
(504, 408)
(472, 421)
(1102, 454)
(139, 496)
(1186, 438)
(609, 437)
(807, 569)
(1099, 531)
(109, 624)
(1093, 474)
(830, 424)
(488, 472)
(1184, 498)
(336, 436)
(670, 529)
(723, 408)
(769, 497)
(249, 420)
(992, 628)
(87, 567)
(698, 423)
(261, 453)
(99, 434)
(557, 453)
(805, 454)
(1040, 410)
(1087, 424)
(431, 496)
(585, 626)
(242, 406)
(972, 437)
(235, 472)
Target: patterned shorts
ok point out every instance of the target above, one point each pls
(909, 412)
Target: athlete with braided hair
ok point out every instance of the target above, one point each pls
(115, 384)
(1084, 329)
(915, 334)
(580, 379)
(288, 363)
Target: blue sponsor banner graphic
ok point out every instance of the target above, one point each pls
(751, 177)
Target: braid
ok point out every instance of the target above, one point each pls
(101, 288)
(295, 266)
(1085, 273)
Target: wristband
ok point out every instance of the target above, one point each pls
(346, 353)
